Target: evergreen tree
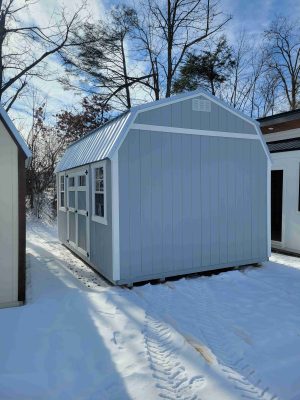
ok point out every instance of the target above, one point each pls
(208, 70)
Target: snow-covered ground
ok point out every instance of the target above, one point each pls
(230, 336)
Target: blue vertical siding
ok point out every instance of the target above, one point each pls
(100, 234)
(190, 203)
(181, 115)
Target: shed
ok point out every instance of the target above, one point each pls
(13, 156)
(172, 187)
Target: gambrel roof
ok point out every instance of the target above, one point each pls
(12, 130)
(104, 141)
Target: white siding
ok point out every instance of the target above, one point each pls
(8, 219)
(289, 162)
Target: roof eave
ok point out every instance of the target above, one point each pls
(12, 130)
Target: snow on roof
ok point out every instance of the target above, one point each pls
(102, 142)
(14, 132)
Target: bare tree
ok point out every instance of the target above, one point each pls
(103, 61)
(46, 145)
(24, 48)
(283, 47)
(247, 87)
(179, 26)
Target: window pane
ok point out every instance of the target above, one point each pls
(99, 204)
(62, 199)
(99, 173)
(82, 180)
(72, 198)
(62, 183)
(72, 181)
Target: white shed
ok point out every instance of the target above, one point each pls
(13, 156)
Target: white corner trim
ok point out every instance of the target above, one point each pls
(115, 217)
(263, 143)
(269, 208)
(187, 131)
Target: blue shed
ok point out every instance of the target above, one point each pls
(172, 187)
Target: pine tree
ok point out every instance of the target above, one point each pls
(208, 70)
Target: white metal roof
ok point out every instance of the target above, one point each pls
(14, 132)
(104, 141)
(94, 146)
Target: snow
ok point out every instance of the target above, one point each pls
(228, 336)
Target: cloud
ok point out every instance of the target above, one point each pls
(42, 14)
(252, 16)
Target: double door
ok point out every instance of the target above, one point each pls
(78, 211)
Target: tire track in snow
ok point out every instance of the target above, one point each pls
(236, 369)
(173, 382)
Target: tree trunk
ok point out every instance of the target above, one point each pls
(128, 99)
(2, 37)
(169, 53)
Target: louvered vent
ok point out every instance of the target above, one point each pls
(201, 105)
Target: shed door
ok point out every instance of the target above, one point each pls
(78, 211)
(276, 205)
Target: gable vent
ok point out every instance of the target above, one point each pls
(201, 105)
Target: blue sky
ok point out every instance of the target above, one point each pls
(253, 16)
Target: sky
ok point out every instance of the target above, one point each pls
(253, 16)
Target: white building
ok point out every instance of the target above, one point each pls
(13, 156)
(282, 135)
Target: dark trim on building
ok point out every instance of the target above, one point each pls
(284, 150)
(280, 122)
(22, 227)
(284, 141)
(278, 146)
(283, 116)
(279, 127)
